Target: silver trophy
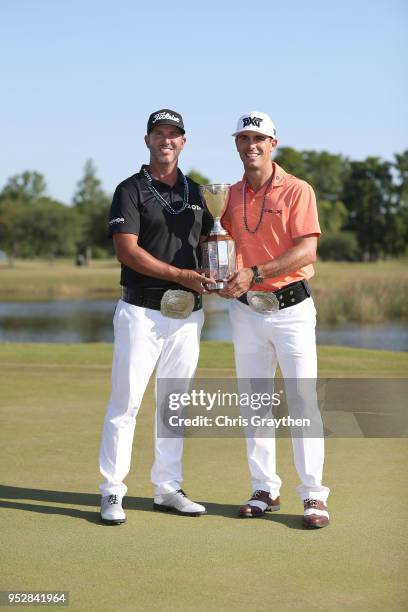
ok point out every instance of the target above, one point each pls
(218, 250)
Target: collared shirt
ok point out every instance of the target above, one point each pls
(290, 212)
(172, 238)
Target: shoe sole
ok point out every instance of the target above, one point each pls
(274, 509)
(307, 526)
(161, 508)
(113, 522)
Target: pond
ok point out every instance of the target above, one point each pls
(71, 321)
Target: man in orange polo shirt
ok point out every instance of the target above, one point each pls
(272, 217)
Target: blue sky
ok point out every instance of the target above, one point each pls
(79, 79)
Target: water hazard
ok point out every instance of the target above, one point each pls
(71, 321)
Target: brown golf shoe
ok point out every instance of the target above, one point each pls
(315, 514)
(259, 503)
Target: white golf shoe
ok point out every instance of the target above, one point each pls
(111, 510)
(179, 503)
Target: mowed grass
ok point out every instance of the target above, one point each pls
(358, 292)
(52, 405)
(34, 280)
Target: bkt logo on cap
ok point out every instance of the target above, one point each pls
(256, 122)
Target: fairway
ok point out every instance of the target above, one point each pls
(51, 409)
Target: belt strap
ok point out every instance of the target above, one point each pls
(290, 295)
(151, 298)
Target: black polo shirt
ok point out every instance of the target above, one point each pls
(172, 238)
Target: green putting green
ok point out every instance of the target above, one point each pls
(51, 409)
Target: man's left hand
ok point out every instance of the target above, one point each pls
(238, 284)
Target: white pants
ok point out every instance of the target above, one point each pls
(260, 341)
(145, 338)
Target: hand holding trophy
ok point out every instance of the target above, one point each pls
(218, 250)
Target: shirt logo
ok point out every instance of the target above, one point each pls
(256, 121)
(117, 220)
(159, 116)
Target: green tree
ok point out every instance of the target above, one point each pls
(89, 189)
(338, 246)
(332, 215)
(198, 178)
(398, 213)
(326, 173)
(52, 229)
(13, 214)
(292, 161)
(16, 199)
(401, 167)
(92, 205)
(368, 195)
(42, 227)
(27, 186)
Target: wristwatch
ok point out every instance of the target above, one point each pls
(257, 275)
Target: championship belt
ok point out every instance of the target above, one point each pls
(177, 304)
(262, 302)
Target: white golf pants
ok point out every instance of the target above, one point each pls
(260, 342)
(145, 339)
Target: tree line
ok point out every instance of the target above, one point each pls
(363, 209)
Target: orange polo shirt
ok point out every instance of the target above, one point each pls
(290, 212)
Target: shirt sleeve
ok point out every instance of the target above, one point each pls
(124, 216)
(303, 214)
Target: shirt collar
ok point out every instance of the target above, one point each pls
(179, 181)
(279, 178)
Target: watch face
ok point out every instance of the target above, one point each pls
(257, 277)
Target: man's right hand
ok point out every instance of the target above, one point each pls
(194, 280)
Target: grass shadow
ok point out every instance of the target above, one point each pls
(10, 495)
(292, 521)
(64, 497)
(91, 517)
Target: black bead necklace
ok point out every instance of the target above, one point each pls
(166, 205)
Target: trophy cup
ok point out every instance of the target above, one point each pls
(218, 249)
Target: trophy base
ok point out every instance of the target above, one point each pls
(218, 260)
(217, 286)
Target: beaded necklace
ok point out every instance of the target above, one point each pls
(166, 205)
(244, 212)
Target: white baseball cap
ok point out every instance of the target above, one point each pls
(256, 122)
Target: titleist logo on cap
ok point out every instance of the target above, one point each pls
(252, 121)
(165, 116)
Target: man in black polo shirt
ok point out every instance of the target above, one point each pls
(156, 221)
